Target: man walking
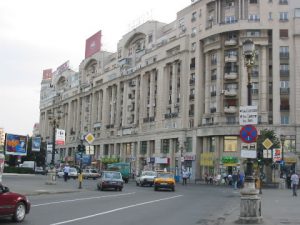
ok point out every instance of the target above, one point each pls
(66, 172)
(294, 183)
(185, 175)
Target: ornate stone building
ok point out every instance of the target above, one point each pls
(170, 95)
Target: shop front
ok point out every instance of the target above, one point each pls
(229, 164)
(207, 160)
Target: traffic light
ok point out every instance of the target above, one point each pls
(259, 156)
(81, 148)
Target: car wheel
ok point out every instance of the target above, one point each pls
(137, 184)
(155, 188)
(20, 212)
(120, 189)
(98, 187)
(173, 188)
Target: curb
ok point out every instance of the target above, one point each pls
(48, 192)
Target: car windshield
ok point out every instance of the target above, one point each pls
(93, 171)
(148, 173)
(165, 175)
(112, 175)
(72, 170)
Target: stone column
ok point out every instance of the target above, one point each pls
(174, 85)
(207, 84)
(264, 85)
(152, 94)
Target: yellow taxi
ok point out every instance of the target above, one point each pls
(164, 180)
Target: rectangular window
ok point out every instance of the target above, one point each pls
(253, 33)
(284, 84)
(297, 13)
(230, 19)
(230, 144)
(165, 145)
(284, 119)
(283, 16)
(284, 33)
(189, 144)
(143, 147)
(253, 1)
(283, 2)
(212, 144)
(270, 15)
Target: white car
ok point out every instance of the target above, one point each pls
(146, 178)
(72, 173)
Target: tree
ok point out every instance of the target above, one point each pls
(271, 135)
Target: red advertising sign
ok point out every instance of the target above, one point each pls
(47, 74)
(93, 44)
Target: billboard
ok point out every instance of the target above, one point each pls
(60, 137)
(93, 44)
(47, 74)
(15, 144)
(36, 144)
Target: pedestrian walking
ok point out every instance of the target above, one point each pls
(66, 172)
(185, 176)
(294, 183)
(234, 180)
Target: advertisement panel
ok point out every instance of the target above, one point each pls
(86, 159)
(60, 137)
(93, 44)
(15, 144)
(277, 156)
(47, 74)
(36, 144)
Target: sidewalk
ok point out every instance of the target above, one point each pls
(278, 207)
(38, 184)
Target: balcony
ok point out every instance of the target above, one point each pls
(284, 73)
(213, 93)
(230, 42)
(192, 81)
(171, 115)
(192, 97)
(230, 109)
(284, 107)
(284, 91)
(230, 92)
(284, 55)
(230, 76)
(213, 110)
(148, 119)
(109, 126)
(231, 58)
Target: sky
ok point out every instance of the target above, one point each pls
(42, 34)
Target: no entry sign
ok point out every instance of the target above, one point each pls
(248, 133)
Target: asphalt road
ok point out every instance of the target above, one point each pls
(191, 204)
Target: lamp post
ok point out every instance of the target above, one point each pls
(54, 116)
(282, 140)
(250, 210)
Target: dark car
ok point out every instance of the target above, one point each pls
(110, 180)
(13, 204)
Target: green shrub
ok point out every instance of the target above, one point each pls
(18, 170)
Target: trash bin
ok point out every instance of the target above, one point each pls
(177, 179)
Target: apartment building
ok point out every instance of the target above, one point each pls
(170, 95)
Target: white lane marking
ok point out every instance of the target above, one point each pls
(115, 210)
(81, 199)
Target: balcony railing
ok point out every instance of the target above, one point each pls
(284, 91)
(284, 73)
(230, 42)
(230, 92)
(284, 107)
(171, 115)
(231, 58)
(230, 75)
(284, 55)
(230, 109)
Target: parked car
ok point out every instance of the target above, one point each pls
(90, 173)
(72, 173)
(164, 180)
(110, 180)
(146, 178)
(40, 170)
(13, 204)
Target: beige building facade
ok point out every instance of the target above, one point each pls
(170, 96)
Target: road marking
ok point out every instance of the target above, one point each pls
(81, 199)
(115, 210)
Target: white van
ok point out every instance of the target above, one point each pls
(28, 164)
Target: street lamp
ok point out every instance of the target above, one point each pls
(54, 117)
(282, 140)
(250, 210)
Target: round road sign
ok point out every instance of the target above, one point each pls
(248, 133)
